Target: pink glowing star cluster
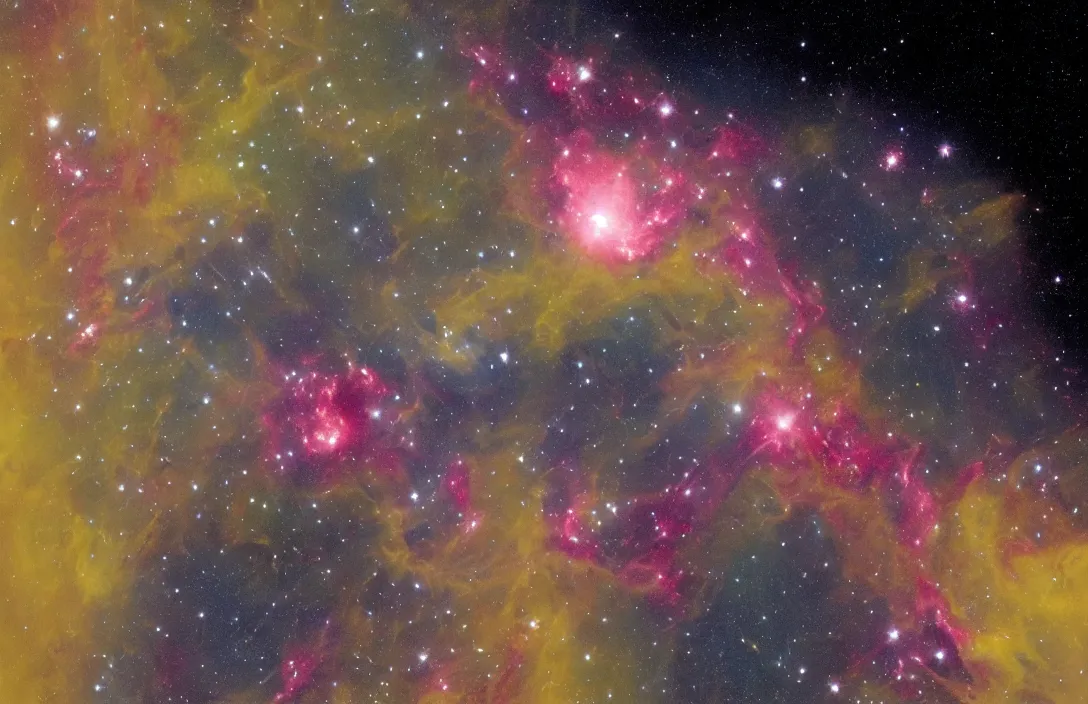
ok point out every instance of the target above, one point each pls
(319, 420)
(609, 209)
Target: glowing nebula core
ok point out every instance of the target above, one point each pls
(611, 210)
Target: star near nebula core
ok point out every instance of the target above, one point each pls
(446, 353)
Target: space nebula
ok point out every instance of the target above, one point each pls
(449, 353)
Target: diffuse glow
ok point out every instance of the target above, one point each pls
(444, 458)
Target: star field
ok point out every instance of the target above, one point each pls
(401, 353)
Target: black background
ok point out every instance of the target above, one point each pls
(1002, 81)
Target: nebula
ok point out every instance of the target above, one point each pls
(361, 353)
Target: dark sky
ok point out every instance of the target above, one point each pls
(1002, 80)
